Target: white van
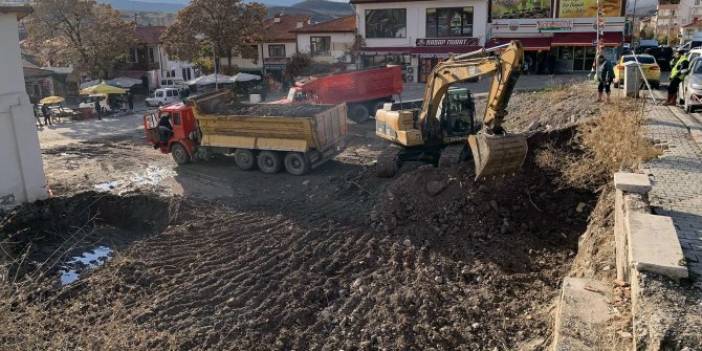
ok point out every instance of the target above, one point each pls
(163, 96)
(172, 83)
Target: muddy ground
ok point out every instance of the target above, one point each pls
(337, 259)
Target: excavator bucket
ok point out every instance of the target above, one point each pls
(497, 154)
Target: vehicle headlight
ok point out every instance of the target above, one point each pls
(696, 86)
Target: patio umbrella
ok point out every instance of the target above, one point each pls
(124, 82)
(51, 100)
(245, 77)
(102, 88)
(210, 79)
(89, 83)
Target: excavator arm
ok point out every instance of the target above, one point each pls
(466, 67)
(494, 150)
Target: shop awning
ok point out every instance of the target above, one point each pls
(586, 39)
(421, 49)
(529, 44)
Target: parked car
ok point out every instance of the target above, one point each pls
(648, 64)
(693, 54)
(172, 83)
(690, 94)
(163, 96)
(88, 101)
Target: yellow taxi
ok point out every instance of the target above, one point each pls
(648, 64)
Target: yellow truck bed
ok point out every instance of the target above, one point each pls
(301, 128)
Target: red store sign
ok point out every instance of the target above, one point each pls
(448, 42)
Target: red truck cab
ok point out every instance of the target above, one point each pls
(183, 136)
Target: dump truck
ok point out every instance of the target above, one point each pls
(296, 138)
(363, 92)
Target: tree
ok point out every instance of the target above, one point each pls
(222, 27)
(89, 35)
(299, 62)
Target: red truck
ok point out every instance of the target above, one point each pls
(363, 91)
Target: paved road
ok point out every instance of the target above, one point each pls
(677, 177)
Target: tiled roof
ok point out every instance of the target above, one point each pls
(149, 34)
(343, 24)
(283, 29)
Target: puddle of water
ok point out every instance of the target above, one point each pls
(88, 260)
(107, 186)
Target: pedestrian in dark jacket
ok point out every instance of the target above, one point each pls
(47, 115)
(130, 100)
(605, 76)
(98, 109)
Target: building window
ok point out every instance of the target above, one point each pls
(276, 51)
(449, 22)
(152, 57)
(386, 23)
(320, 46)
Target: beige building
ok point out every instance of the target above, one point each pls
(665, 23)
(22, 172)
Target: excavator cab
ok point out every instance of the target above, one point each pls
(457, 113)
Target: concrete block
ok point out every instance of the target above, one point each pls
(632, 182)
(582, 315)
(654, 246)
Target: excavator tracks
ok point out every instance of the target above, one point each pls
(452, 155)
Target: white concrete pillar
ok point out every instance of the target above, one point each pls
(21, 169)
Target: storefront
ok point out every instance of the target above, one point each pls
(419, 34)
(559, 45)
(419, 60)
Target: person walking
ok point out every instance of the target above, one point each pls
(130, 101)
(605, 76)
(98, 108)
(47, 114)
(677, 74)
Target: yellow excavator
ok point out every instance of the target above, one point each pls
(442, 129)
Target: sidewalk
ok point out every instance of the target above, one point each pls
(677, 178)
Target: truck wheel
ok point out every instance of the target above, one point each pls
(296, 163)
(180, 155)
(358, 113)
(269, 162)
(245, 159)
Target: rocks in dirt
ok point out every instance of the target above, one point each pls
(434, 187)
(581, 207)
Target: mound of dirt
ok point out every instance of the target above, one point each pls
(447, 263)
(552, 109)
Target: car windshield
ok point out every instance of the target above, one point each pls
(698, 67)
(642, 59)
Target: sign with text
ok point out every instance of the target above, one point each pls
(588, 8)
(512, 9)
(554, 25)
(448, 42)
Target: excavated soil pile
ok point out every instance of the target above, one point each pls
(447, 263)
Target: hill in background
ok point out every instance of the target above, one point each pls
(318, 10)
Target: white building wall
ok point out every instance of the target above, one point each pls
(22, 172)
(416, 20)
(688, 10)
(340, 45)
